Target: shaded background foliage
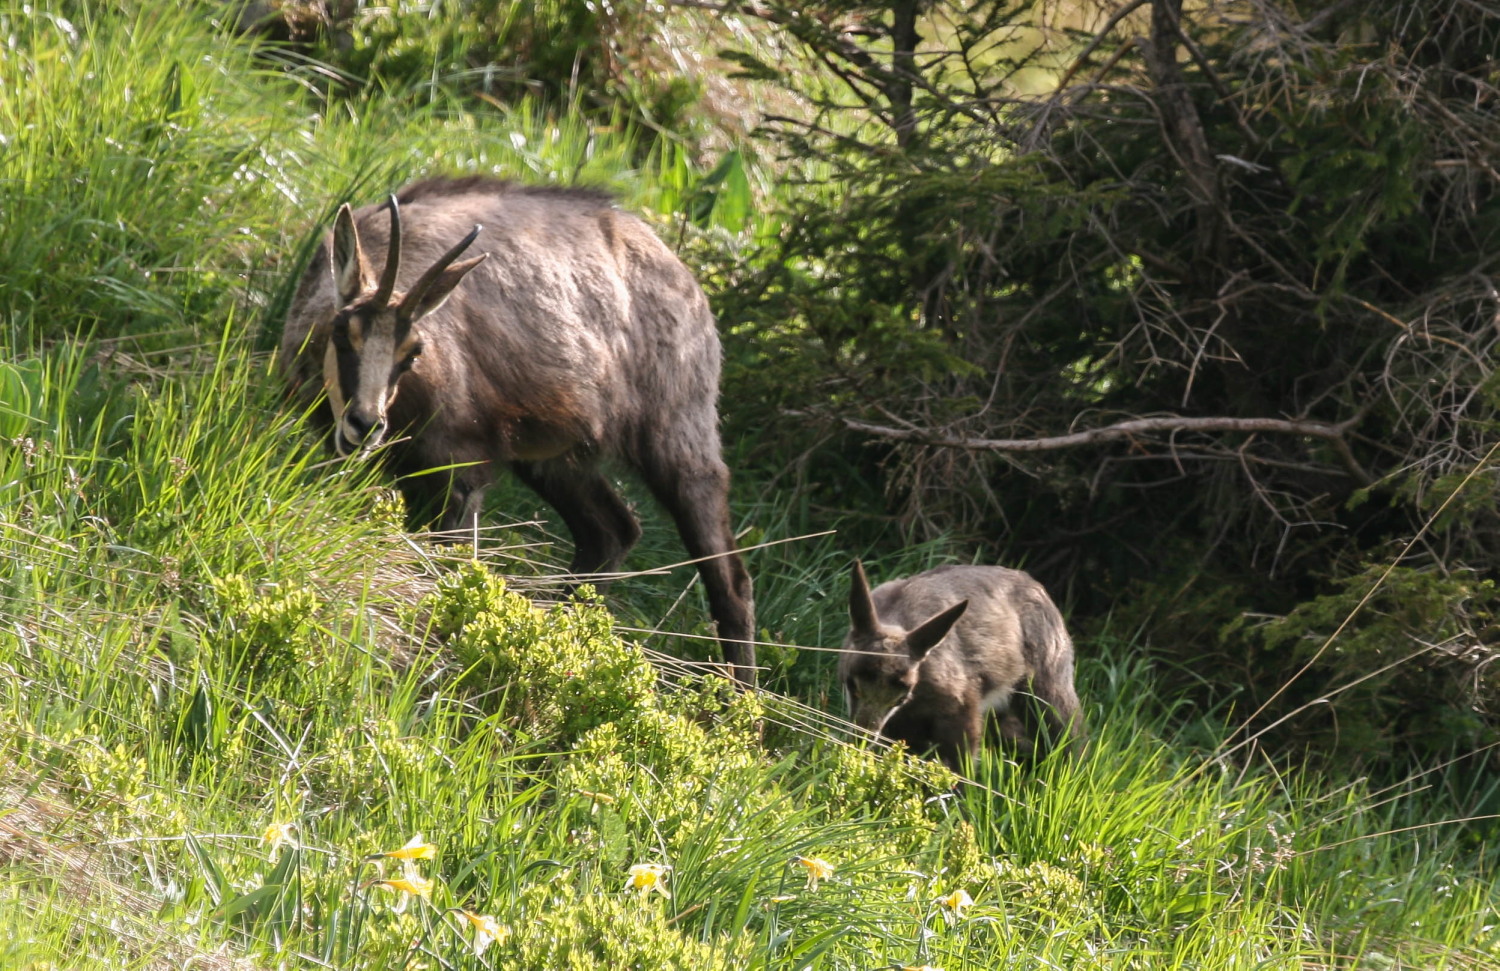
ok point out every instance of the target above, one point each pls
(1224, 211)
(597, 58)
(1002, 222)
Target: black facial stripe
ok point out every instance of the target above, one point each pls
(348, 362)
(339, 330)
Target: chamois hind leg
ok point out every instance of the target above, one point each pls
(602, 525)
(696, 494)
(1049, 651)
(1062, 713)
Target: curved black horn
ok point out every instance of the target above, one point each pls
(429, 276)
(392, 258)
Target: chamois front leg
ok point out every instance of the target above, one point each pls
(448, 503)
(461, 512)
(1016, 732)
(602, 526)
(956, 740)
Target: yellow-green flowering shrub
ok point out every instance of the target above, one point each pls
(112, 783)
(1041, 892)
(367, 761)
(560, 928)
(265, 630)
(560, 671)
(885, 782)
(665, 766)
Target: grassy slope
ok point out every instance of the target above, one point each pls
(207, 629)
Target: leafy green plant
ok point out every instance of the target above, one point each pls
(562, 670)
(263, 631)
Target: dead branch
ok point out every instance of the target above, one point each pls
(1332, 433)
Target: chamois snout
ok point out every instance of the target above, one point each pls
(874, 694)
(358, 431)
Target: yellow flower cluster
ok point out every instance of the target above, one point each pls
(644, 878)
(414, 849)
(956, 902)
(486, 930)
(410, 883)
(278, 835)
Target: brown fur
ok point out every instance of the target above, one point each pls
(927, 656)
(581, 338)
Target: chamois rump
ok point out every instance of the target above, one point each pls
(575, 337)
(928, 656)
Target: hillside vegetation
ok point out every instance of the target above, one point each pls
(247, 722)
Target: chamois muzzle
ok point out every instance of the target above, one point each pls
(356, 432)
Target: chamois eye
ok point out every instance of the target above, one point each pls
(406, 362)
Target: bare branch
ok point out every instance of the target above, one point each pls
(1099, 36)
(1183, 133)
(1333, 433)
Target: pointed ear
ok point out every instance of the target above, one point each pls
(931, 632)
(861, 606)
(424, 300)
(350, 271)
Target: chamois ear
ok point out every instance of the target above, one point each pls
(438, 280)
(861, 606)
(931, 632)
(418, 304)
(350, 271)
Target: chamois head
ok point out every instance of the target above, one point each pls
(881, 664)
(372, 341)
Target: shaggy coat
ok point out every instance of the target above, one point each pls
(928, 656)
(573, 338)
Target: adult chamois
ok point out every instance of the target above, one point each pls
(575, 337)
(929, 655)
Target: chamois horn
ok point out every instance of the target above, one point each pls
(392, 258)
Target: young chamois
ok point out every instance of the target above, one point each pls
(929, 655)
(575, 337)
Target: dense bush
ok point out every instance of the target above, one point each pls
(562, 671)
(1264, 236)
(598, 58)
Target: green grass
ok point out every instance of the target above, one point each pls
(207, 627)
